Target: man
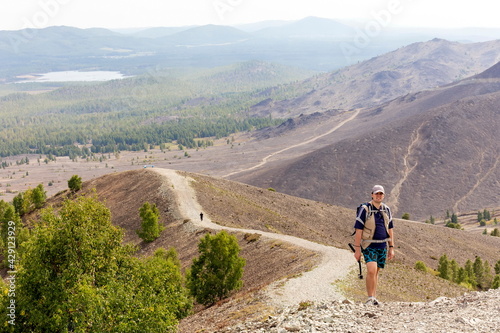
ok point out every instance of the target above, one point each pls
(374, 231)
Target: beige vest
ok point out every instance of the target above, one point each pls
(369, 226)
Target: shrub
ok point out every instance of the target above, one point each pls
(420, 266)
(251, 237)
(75, 183)
(454, 225)
(218, 269)
(496, 282)
(150, 227)
(444, 267)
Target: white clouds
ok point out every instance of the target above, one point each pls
(146, 13)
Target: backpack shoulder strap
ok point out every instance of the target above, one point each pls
(366, 207)
(358, 214)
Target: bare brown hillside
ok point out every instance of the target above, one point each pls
(235, 204)
(434, 151)
(244, 206)
(125, 192)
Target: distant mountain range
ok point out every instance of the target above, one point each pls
(312, 43)
(416, 67)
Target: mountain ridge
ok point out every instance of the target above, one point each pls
(410, 69)
(312, 43)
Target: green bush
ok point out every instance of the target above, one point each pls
(420, 266)
(150, 227)
(444, 267)
(454, 225)
(496, 282)
(218, 269)
(75, 183)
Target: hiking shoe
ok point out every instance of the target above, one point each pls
(372, 301)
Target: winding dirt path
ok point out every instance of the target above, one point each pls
(314, 285)
(407, 169)
(265, 159)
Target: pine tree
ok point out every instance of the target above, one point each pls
(218, 269)
(461, 276)
(444, 267)
(453, 270)
(75, 183)
(469, 270)
(486, 215)
(38, 196)
(496, 282)
(150, 226)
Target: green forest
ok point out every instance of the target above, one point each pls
(164, 106)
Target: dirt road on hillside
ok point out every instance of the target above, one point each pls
(315, 285)
(308, 141)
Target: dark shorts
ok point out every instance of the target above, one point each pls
(377, 255)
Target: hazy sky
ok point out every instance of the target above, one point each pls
(19, 14)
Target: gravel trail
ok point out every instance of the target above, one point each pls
(328, 311)
(315, 285)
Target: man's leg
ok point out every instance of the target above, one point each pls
(371, 278)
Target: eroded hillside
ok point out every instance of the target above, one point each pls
(433, 150)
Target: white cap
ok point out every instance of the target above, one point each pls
(378, 188)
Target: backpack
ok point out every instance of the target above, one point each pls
(369, 223)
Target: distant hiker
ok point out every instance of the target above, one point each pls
(201, 216)
(374, 231)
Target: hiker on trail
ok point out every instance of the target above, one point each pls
(374, 238)
(201, 216)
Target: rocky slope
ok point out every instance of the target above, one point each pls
(472, 312)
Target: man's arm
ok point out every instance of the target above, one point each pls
(357, 244)
(391, 244)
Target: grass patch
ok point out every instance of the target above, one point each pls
(250, 238)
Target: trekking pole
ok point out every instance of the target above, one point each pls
(360, 275)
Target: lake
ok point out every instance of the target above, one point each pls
(72, 76)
